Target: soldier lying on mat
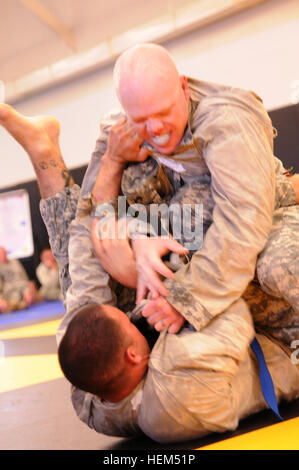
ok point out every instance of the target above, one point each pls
(192, 382)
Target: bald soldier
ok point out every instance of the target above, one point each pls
(196, 133)
(159, 396)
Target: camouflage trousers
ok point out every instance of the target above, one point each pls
(278, 274)
(274, 306)
(57, 213)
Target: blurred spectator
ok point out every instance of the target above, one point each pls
(48, 276)
(16, 290)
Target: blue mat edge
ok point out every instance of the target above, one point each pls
(40, 310)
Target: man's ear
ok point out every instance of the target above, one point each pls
(185, 86)
(132, 355)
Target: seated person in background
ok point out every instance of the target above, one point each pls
(17, 291)
(48, 275)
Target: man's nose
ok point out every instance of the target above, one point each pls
(154, 125)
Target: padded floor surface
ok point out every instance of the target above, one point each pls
(35, 312)
(36, 411)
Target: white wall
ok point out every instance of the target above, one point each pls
(256, 50)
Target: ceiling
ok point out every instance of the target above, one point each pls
(71, 34)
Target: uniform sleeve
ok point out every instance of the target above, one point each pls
(238, 152)
(112, 419)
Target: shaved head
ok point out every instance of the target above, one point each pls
(152, 93)
(143, 69)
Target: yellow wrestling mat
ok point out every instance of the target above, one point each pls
(20, 368)
(22, 371)
(41, 329)
(281, 436)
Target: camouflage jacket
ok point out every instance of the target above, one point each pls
(13, 280)
(227, 154)
(197, 382)
(180, 412)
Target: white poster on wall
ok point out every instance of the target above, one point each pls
(15, 224)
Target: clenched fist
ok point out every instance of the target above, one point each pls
(124, 143)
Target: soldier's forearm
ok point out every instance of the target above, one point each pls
(107, 185)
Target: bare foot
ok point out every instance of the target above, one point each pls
(30, 131)
(39, 136)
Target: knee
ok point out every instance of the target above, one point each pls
(268, 273)
(277, 274)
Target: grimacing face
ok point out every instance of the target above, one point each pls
(163, 119)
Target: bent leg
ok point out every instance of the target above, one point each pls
(39, 136)
(58, 212)
(278, 264)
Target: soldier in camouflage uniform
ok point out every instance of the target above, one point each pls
(48, 276)
(165, 405)
(17, 291)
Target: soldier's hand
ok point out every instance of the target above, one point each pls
(163, 316)
(148, 253)
(124, 143)
(115, 255)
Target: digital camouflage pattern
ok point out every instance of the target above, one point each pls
(229, 136)
(228, 355)
(165, 405)
(278, 265)
(49, 280)
(58, 213)
(13, 282)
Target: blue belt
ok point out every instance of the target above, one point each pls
(265, 379)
